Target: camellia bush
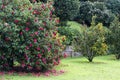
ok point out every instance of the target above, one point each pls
(91, 42)
(32, 1)
(28, 35)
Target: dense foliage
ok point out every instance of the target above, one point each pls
(32, 1)
(89, 9)
(114, 6)
(94, 0)
(113, 37)
(66, 9)
(91, 41)
(69, 33)
(28, 35)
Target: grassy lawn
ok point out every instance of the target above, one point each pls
(103, 68)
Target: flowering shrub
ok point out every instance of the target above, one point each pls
(27, 35)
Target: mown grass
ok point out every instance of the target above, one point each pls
(103, 68)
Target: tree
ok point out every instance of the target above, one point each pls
(114, 37)
(89, 9)
(91, 41)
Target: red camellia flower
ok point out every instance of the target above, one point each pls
(58, 60)
(43, 51)
(27, 47)
(56, 51)
(38, 48)
(7, 39)
(2, 57)
(43, 6)
(16, 21)
(62, 71)
(47, 74)
(26, 56)
(44, 60)
(54, 33)
(50, 13)
(21, 33)
(30, 8)
(27, 23)
(2, 6)
(41, 28)
(36, 74)
(23, 65)
(36, 20)
(57, 21)
(44, 23)
(65, 55)
(37, 62)
(49, 49)
(46, 34)
(35, 12)
(30, 45)
(55, 63)
(13, 13)
(27, 29)
(34, 0)
(39, 55)
(35, 40)
(10, 72)
(31, 35)
(29, 67)
(1, 74)
(50, 45)
(36, 33)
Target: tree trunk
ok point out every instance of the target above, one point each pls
(117, 56)
(10, 63)
(90, 59)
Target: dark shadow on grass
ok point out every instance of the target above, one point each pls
(87, 62)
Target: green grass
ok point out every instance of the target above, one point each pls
(103, 68)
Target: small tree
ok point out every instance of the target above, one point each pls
(91, 41)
